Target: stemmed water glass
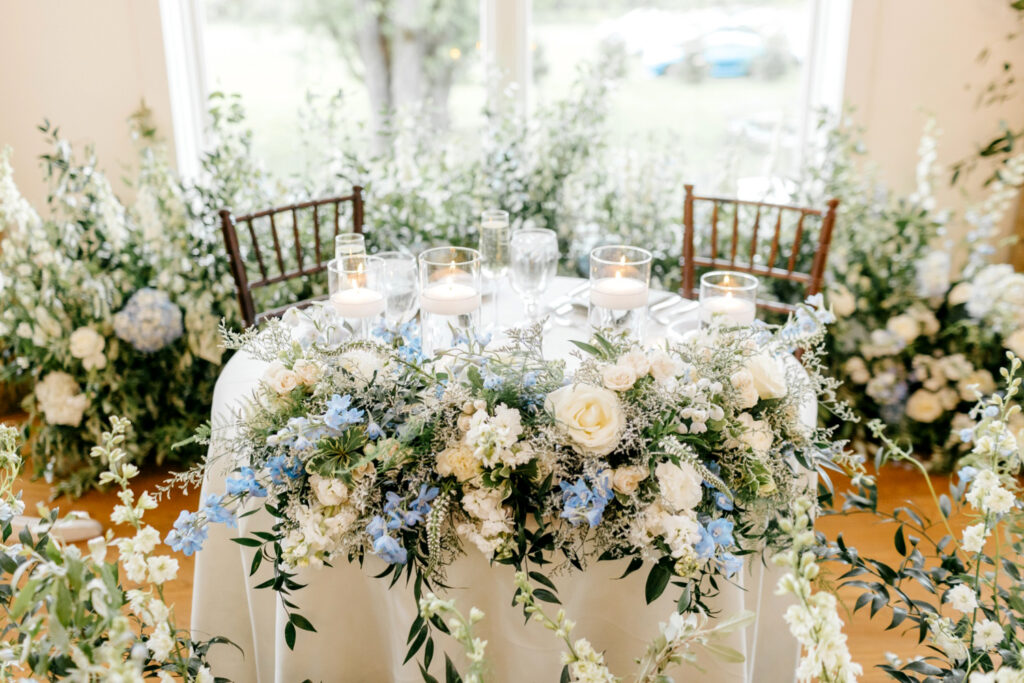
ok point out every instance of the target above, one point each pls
(400, 285)
(534, 262)
(494, 255)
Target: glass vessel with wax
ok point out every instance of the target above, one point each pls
(728, 296)
(620, 278)
(358, 296)
(449, 296)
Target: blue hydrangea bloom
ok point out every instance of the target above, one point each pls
(149, 321)
(217, 513)
(188, 533)
(245, 484)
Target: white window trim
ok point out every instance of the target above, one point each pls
(825, 76)
(186, 79)
(505, 27)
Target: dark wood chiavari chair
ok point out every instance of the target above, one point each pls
(302, 267)
(778, 264)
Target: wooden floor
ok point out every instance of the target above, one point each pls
(868, 640)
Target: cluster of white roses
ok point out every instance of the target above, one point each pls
(324, 522)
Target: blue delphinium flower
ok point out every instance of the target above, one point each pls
(390, 550)
(991, 411)
(730, 564)
(723, 502)
(373, 431)
(188, 533)
(384, 333)
(705, 547)
(720, 531)
(967, 474)
(215, 511)
(529, 379)
(282, 468)
(245, 483)
(492, 381)
(967, 435)
(339, 413)
(581, 503)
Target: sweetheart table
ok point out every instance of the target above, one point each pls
(362, 625)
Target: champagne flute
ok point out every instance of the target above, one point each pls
(534, 255)
(494, 256)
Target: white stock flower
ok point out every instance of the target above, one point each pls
(680, 485)
(933, 274)
(924, 406)
(328, 490)
(160, 642)
(681, 532)
(592, 417)
(974, 537)
(618, 377)
(162, 568)
(962, 598)
(987, 634)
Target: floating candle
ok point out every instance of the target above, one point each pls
(618, 293)
(358, 302)
(738, 311)
(449, 298)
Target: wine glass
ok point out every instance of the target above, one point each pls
(494, 257)
(400, 285)
(534, 257)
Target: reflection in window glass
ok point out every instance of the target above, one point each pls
(274, 54)
(721, 83)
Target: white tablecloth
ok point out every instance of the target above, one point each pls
(362, 625)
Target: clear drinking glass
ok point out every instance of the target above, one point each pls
(400, 285)
(534, 262)
(449, 296)
(494, 257)
(620, 279)
(359, 296)
(728, 296)
(345, 244)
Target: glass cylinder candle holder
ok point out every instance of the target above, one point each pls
(359, 297)
(620, 279)
(729, 297)
(345, 244)
(449, 296)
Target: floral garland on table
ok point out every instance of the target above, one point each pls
(67, 614)
(913, 337)
(679, 456)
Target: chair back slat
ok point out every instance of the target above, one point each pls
(292, 259)
(791, 222)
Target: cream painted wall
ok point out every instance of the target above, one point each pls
(909, 58)
(86, 66)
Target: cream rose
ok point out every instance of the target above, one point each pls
(904, 326)
(680, 485)
(329, 491)
(756, 434)
(769, 375)
(743, 382)
(857, 370)
(843, 302)
(458, 461)
(636, 361)
(924, 406)
(960, 294)
(665, 367)
(307, 372)
(618, 377)
(625, 480)
(279, 378)
(980, 380)
(87, 345)
(1015, 342)
(590, 415)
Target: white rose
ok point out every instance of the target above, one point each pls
(743, 381)
(458, 461)
(680, 485)
(665, 367)
(924, 406)
(637, 361)
(308, 372)
(756, 434)
(843, 301)
(960, 294)
(857, 370)
(279, 378)
(1015, 342)
(681, 532)
(769, 375)
(86, 343)
(328, 490)
(904, 326)
(625, 480)
(590, 415)
(618, 377)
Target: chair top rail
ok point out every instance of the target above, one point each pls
(754, 202)
(766, 271)
(295, 207)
